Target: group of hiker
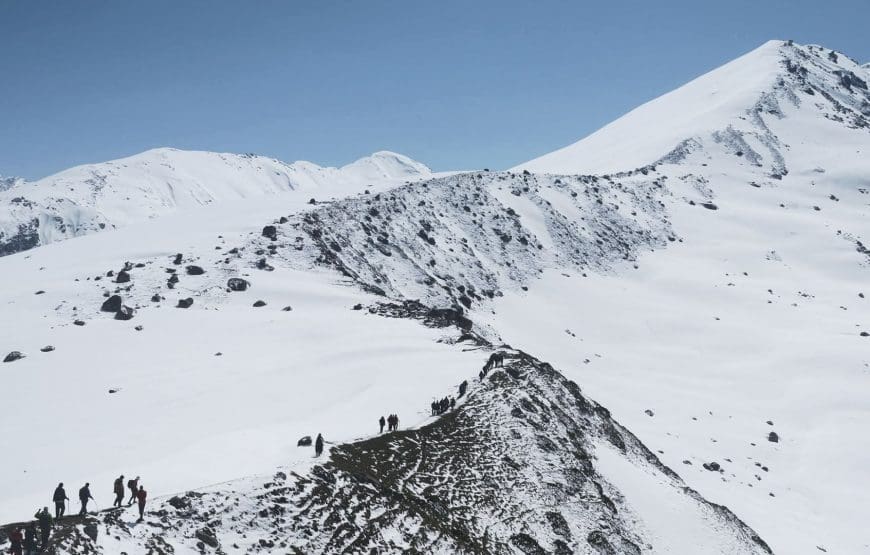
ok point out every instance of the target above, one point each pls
(26, 543)
(392, 422)
(443, 405)
(496, 360)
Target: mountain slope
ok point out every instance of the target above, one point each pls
(726, 104)
(714, 302)
(112, 194)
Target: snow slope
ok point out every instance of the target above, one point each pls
(725, 98)
(708, 293)
(90, 198)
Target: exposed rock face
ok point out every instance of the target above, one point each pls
(421, 491)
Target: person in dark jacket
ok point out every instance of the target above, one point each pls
(45, 522)
(141, 496)
(30, 545)
(134, 489)
(119, 491)
(382, 422)
(318, 445)
(84, 497)
(60, 500)
(463, 387)
(16, 539)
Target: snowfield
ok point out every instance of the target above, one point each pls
(681, 298)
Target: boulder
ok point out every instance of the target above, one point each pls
(270, 232)
(287, 308)
(263, 265)
(206, 535)
(304, 441)
(122, 277)
(258, 304)
(177, 259)
(79, 322)
(112, 304)
(173, 279)
(156, 298)
(712, 466)
(194, 270)
(90, 530)
(184, 303)
(47, 349)
(124, 313)
(773, 437)
(13, 356)
(237, 284)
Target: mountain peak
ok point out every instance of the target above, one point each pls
(777, 71)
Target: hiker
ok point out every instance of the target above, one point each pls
(318, 445)
(395, 422)
(60, 500)
(16, 539)
(30, 540)
(434, 408)
(382, 422)
(463, 387)
(452, 403)
(390, 423)
(119, 491)
(45, 521)
(84, 497)
(134, 489)
(141, 495)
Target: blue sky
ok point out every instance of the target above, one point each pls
(454, 84)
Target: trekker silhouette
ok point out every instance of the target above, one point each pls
(60, 500)
(119, 491)
(84, 497)
(45, 522)
(133, 485)
(30, 540)
(16, 539)
(141, 496)
(318, 445)
(382, 422)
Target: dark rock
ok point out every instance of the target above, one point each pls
(263, 265)
(13, 356)
(864, 334)
(270, 232)
(113, 390)
(709, 206)
(156, 298)
(47, 349)
(712, 466)
(179, 502)
(206, 536)
(649, 412)
(90, 530)
(124, 313)
(177, 259)
(357, 306)
(173, 279)
(123, 277)
(194, 271)
(139, 328)
(773, 437)
(237, 284)
(287, 308)
(78, 322)
(258, 304)
(304, 442)
(184, 303)
(40, 292)
(112, 304)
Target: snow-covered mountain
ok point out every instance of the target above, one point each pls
(707, 293)
(9, 182)
(732, 105)
(94, 197)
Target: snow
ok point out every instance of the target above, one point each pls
(184, 417)
(711, 101)
(113, 194)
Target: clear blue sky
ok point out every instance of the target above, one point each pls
(454, 84)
